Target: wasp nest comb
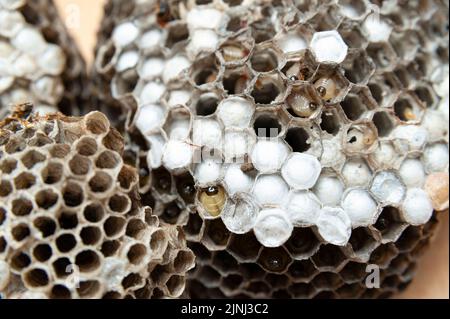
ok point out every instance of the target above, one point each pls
(39, 62)
(71, 225)
(297, 141)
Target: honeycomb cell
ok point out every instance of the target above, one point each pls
(328, 258)
(302, 271)
(274, 260)
(303, 243)
(244, 248)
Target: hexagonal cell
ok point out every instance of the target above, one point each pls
(178, 123)
(400, 264)
(356, 172)
(327, 280)
(357, 104)
(384, 123)
(391, 282)
(265, 58)
(275, 260)
(177, 33)
(224, 262)
(354, 272)
(245, 248)
(204, 71)
(298, 139)
(410, 237)
(331, 84)
(406, 44)
(269, 124)
(301, 290)
(277, 281)
(408, 109)
(281, 294)
(205, 104)
(300, 67)
(352, 291)
(330, 121)
(236, 80)
(360, 138)
(426, 95)
(303, 243)
(384, 89)
(162, 180)
(420, 248)
(383, 55)
(352, 8)
(209, 276)
(303, 101)
(268, 89)
(390, 224)
(383, 255)
(329, 258)
(402, 76)
(186, 187)
(302, 271)
(352, 35)
(362, 243)
(325, 20)
(232, 282)
(359, 68)
(202, 254)
(216, 235)
(262, 30)
(172, 212)
(251, 271)
(234, 52)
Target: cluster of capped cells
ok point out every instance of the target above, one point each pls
(297, 141)
(71, 224)
(39, 62)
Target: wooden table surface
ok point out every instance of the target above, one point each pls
(432, 281)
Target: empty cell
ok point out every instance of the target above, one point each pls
(87, 146)
(264, 59)
(268, 89)
(52, 173)
(20, 232)
(22, 207)
(101, 182)
(45, 225)
(94, 212)
(72, 194)
(24, 181)
(35, 278)
(31, 158)
(275, 260)
(88, 261)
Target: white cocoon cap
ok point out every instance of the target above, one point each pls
(388, 188)
(435, 158)
(328, 46)
(53, 60)
(150, 39)
(237, 144)
(124, 34)
(235, 111)
(270, 190)
(149, 118)
(412, 137)
(329, 190)
(436, 124)
(412, 173)
(127, 60)
(208, 171)
(152, 67)
(334, 226)
(178, 129)
(178, 97)
(236, 180)
(4, 274)
(301, 171)
(115, 269)
(360, 207)
(385, 155)
(152, 93)
(174, 67)
(155, 153)
(273, 227)
(291, 42)
(207, 132)
(240, 216)
(417, 207)
(332, 154)
(11, 22)
(357, 173)
(303, 208)
(268, 155)
(376, 29)
(30, 41)
(202, 41)
(177, 154)
(204, 18)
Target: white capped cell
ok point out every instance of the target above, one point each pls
(155, 153)
(385, 155)
(174, 67)
(410, 137)
(291, 42)
(356, 172)
(149, 117)
(12, 4)
(30, 41)
(178, 97)
(24, 66)
(303, 208)
(207, 132)
(177, 155)
(332, 154)
(48, 89)
(269, 155)
(204, 18)
(208, 172)
(114, 271)
(202, 41)
(412, 172)
(235, 112)
(151, 68)
(4, 274)
(237, 143)
(152, 93)
(240, 216)
(150, 39)
(435, 158)
(301, 171)
(270, 190)
(388, 188)
(127, 60)
(417, 207)
(11, 22)
(329, 190)
(361, 208)
(328, 46)
(273, 227)
(178, 129)
(334, 226)
(5, 83)
(237, 181)
(376, 29)
(125, 34)
(53, 60)
(436, 124)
